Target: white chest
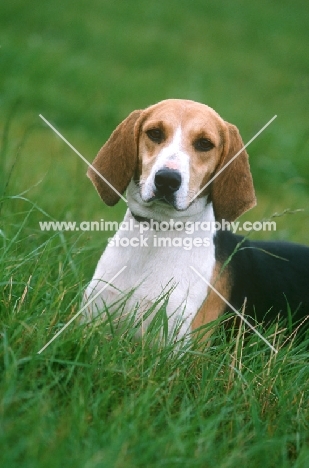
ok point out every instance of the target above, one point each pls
(157, 263)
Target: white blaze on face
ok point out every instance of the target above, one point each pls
(171, 157)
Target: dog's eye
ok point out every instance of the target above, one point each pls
(202, 144)
(155, 134)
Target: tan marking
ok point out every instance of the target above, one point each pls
(213, 306)
(116, 161)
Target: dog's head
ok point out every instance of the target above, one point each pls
(173, 151)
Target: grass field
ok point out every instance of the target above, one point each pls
(94, 398)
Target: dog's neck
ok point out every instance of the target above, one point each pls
(162, 212)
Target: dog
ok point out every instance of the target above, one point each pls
(176, 159)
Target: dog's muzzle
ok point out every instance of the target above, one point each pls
(167, 182)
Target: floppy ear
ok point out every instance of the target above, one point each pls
(232, 192)
(116, 161)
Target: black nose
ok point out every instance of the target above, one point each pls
(167, 181)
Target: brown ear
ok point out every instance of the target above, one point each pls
(116, 161)
(232, 191)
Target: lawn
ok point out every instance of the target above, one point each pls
(95, 398)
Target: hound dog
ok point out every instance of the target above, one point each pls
(166, 156)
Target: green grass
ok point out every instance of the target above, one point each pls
(95, 398)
